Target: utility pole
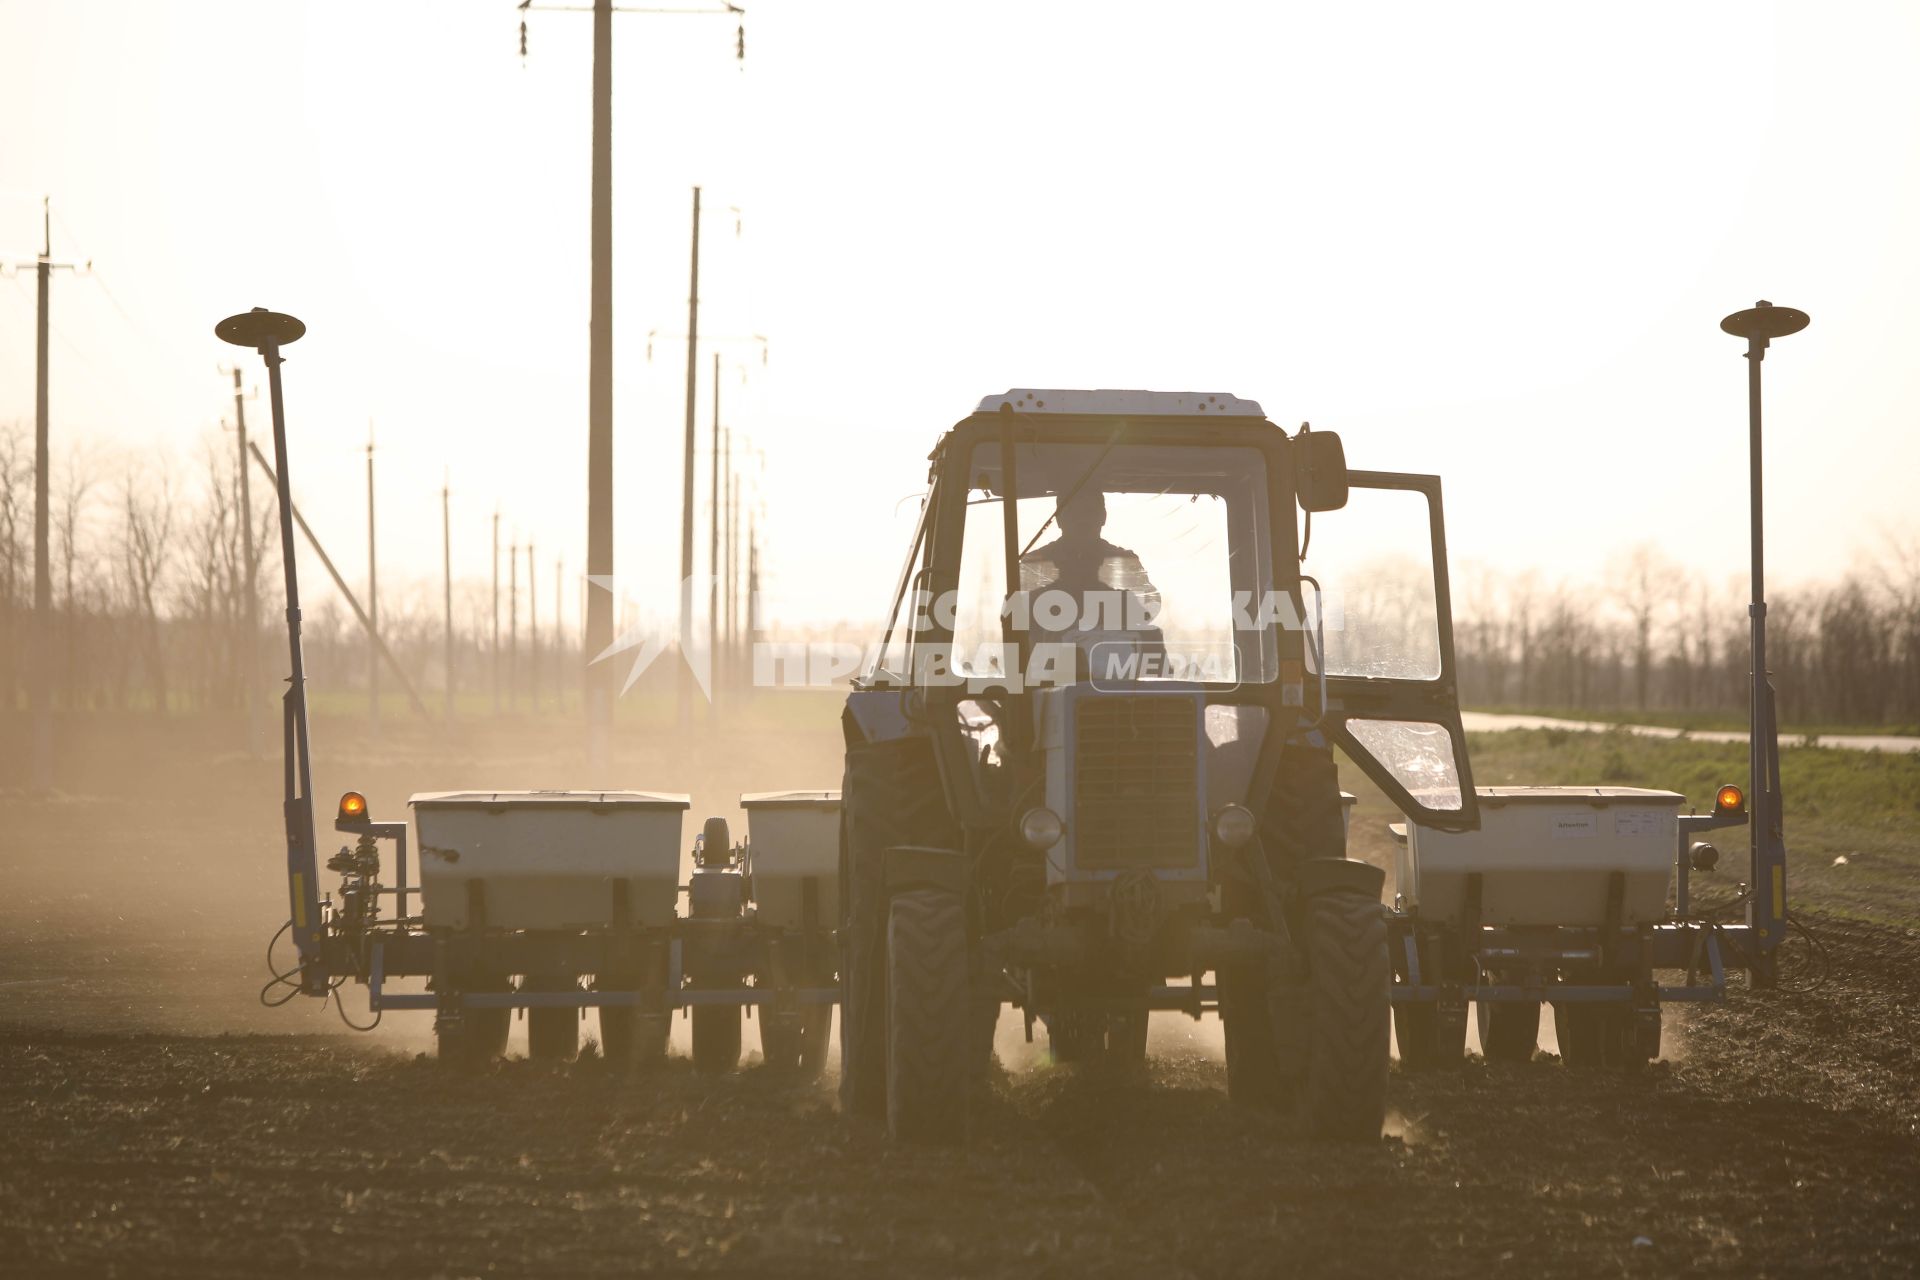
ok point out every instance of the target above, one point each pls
(513, 626)
(599, 679)
(559, 639)
(40, 690)
(753, 585)
(533, 634)
(493, 650)
(684, 687)
(713, 535)
(250, 660)
(373, 600)
(725, 568)
(733, 572)
(446, 580)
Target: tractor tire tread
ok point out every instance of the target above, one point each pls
(1346, 1081)
(928, 1008)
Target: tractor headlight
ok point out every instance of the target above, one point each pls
(1234, 825)
(1041, 828)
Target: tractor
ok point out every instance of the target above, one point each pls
(1089, 766)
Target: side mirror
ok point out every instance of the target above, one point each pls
(1320, 470)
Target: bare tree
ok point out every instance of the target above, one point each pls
(215, 579)
(16, 516)
(1642, 580)
(73, 489)
(146, 543)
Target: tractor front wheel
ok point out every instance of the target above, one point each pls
(929, 1007)
(1348, 1004)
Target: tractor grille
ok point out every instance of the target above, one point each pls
(1136, 782)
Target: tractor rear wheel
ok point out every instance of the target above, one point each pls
(891, 797)
(1348, 1005)
(1509, 1032)
(929, 1011)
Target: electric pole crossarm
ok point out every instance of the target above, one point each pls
(728, 12)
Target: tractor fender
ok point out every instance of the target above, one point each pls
(1315, 876)
(877, 715)
(907, 867)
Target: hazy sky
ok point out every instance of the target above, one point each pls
(1492, 241)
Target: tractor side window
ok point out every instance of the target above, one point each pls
(978, 637)
(1374, 562)
(1418, 754)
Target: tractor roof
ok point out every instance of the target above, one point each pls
(1135, 404)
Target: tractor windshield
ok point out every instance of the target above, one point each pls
(1152, 562)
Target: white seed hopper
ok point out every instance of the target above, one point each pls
(1547, 856)
(548, 859)
(795, 840)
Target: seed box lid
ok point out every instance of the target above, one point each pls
(548, 800)
(790, 800)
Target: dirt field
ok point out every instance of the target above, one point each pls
(154, 1119)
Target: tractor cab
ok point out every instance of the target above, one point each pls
(1099, 720)
(1153, 548)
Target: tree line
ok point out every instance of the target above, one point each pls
(151, 607)
(150, 612)
(1650, 635)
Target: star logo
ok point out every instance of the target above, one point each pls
(646, 642)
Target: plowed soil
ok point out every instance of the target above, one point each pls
(154, 1120)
